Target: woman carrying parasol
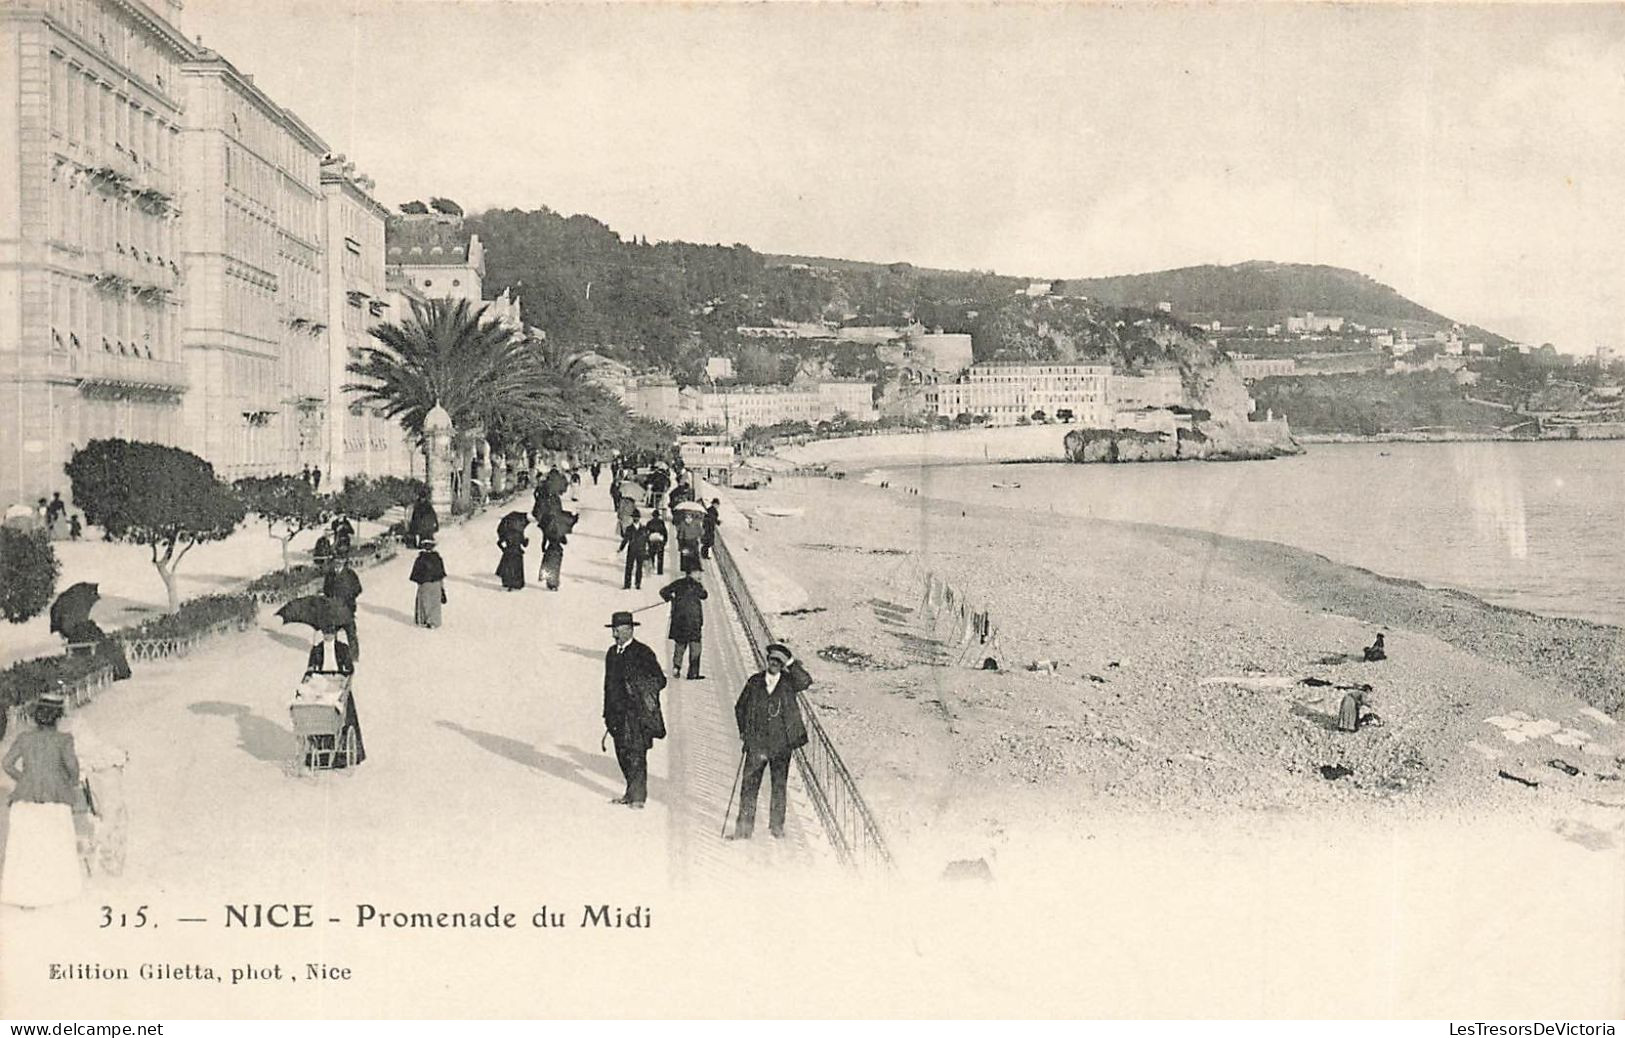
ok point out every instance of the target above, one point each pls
(512, 540)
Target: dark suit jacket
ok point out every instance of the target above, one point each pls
(626, 673)
(687, 610)
(341, 661)
(770, 723)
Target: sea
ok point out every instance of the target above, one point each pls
(1534, 526)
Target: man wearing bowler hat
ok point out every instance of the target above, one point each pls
(769, 716)
(632, 681)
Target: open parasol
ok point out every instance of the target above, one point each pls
(688, 506)
(318, 611)
(72, 607)
(513, 525)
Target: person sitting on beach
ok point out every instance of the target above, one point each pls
(1375, 651)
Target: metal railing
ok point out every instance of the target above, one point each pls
(847, 820)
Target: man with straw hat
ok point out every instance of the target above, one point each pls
(632, 683)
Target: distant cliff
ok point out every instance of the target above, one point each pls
(1241, 442)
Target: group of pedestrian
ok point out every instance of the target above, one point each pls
(767, 712)
(51, 516)
(312, 477)
(41, 863)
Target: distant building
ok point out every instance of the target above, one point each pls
(1604, 356)
(1165, 307)
(1037, 288)
(853, 397)
(1158, 387)
(1250, 368)
(439, 258)
(1008, 391)
(719, 367)
(1310, 323)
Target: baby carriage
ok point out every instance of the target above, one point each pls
(320, 711)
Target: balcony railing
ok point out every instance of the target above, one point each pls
(94, 366)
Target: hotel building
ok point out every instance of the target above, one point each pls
(256, 298)
(91, 101)
(1007, 391)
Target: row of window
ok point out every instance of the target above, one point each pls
(119, 41)
(85, 216)
(84, 317)
(89, 112)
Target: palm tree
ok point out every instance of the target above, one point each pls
(448, 353)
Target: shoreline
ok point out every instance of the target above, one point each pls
(1179, 681)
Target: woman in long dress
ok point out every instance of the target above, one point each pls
(42, 865)
(512, 540)
(331, 656)
(429, 574)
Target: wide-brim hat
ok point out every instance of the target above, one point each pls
(56, 699)
(425, 542)
(623, 618)
(780, 648)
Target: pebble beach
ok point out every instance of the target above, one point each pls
(1154, 676)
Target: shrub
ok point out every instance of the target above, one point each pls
(26, 679)
(285, 580)
(195, 614)
(28, 572)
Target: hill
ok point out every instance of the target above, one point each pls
(1261, 293)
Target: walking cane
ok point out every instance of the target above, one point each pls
(732, 791)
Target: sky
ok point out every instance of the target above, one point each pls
(1473, 157)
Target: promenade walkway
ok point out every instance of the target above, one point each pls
(484, 780)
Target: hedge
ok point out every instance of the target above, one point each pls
(195, 616)
(26, 679)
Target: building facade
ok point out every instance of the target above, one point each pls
(1156, 387)
(358, 441)
(1005, 392)
(1250, 368)
(256, 356)
(90, 254)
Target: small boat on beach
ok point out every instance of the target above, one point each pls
(1007, 486)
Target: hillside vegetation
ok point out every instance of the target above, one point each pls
(1260, 292)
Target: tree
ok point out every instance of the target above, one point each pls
(415, 208)
(366, 498)
(287, 504)
(28, 572)
(163, 497)
(446, 206)
(448, 353)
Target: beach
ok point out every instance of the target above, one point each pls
(1184, 677)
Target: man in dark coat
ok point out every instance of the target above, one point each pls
(632, 680)
(635, 542)
(769, 717)
(708, 534)
(342, 585)
(687, 623)
(657, 535)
